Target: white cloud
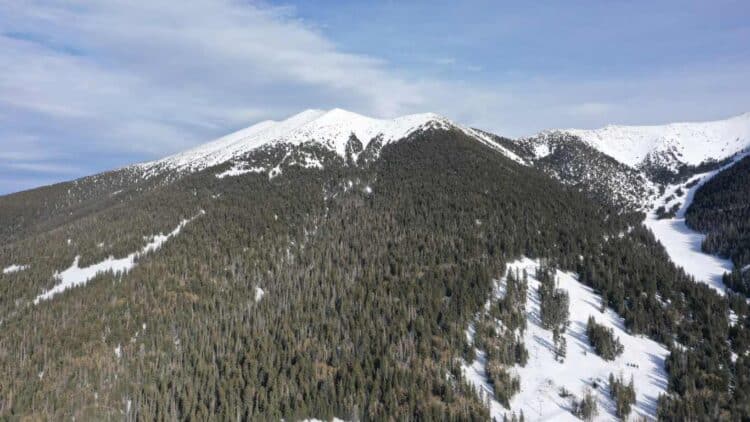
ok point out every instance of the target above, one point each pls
(161, 76)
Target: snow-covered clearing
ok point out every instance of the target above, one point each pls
(682, 243)
(684, 248)
(14, 268)
(543, 377)
(75, 275)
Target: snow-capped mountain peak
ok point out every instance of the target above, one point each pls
(331, 128)
(670, 145)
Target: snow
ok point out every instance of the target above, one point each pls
(239, 169)
(542, 377)
(14, 268)
(75, 275)
(486, 140)
(331, 129)
(682, 243)
(684, 248)
(690, 143)
(542, 150)
(476, 374)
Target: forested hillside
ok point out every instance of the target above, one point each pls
(341, 290)
(721, 209)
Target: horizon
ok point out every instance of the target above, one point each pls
(338, 108)
(90, 88)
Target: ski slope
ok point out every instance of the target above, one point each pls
(543, 377)
(681, 242)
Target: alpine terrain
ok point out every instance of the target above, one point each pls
(336, 266)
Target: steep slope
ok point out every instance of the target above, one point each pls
(652, 169)
(550, 385)
(642, 158)
(563, 157)
(327, 284)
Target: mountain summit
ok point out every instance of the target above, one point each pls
(331, 129)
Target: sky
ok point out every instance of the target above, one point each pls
(91, 86)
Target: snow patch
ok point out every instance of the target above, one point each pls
(543, 377)
(238, 169)
(75, 275)
(14, 268)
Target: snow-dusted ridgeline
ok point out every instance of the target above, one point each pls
(76, 276)
(543, 376)
(331, 129)
(690, 143)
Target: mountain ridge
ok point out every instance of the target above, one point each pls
(679, 143)
(342, 286)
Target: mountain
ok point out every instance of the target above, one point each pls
(656, 170)
(632, 164)
(339, 131)
(333, 265)
(668, 149)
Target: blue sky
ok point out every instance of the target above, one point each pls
(90, 86)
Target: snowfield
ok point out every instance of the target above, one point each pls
(332, 129)
(690, 143)
(543, 377)
(76, 276)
